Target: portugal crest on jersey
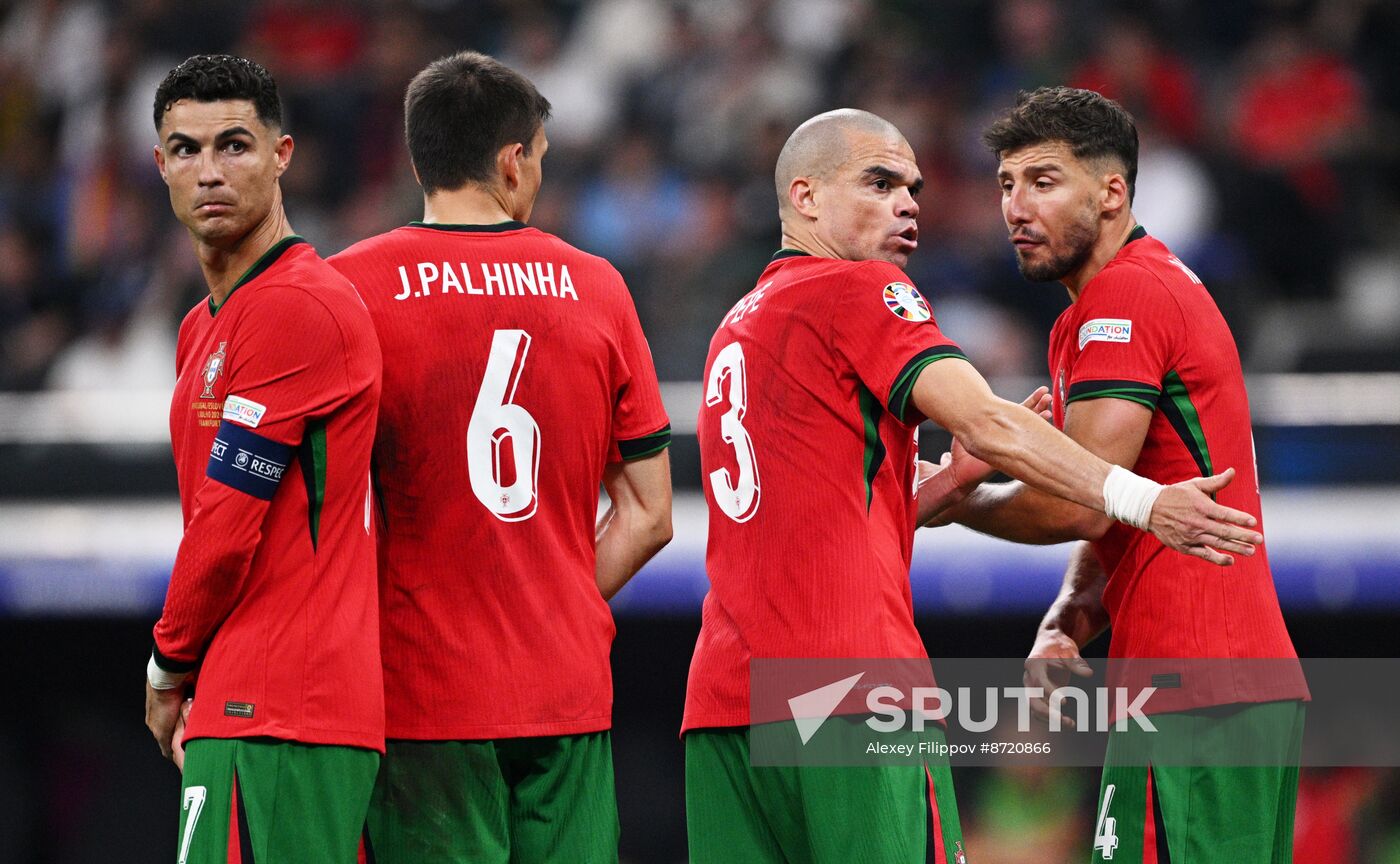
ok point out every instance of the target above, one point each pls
(903, 300)
(959, 857)
(213, 368)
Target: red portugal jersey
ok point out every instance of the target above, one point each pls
(808, 445)
(273, 591)
(515, 370)
(1145, 329)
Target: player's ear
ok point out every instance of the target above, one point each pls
(802, 195)
(160, 163)
(1114, 194)
(285, 146)
(508, 163)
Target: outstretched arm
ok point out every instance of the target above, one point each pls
(1112, 429)
(1013, 439)
(958, 473)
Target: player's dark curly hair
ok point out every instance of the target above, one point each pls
(1093, 126)
(216, 77)
(460, 111)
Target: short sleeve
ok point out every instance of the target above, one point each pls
(640, 426)
(287, 366)
(886, 331)
(1127, 338)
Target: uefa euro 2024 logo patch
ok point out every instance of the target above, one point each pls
(903, 300)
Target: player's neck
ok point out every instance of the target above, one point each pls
(809, 243)
(1106, 248)
(224, 266)
(469, 205)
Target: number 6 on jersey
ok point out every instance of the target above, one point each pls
(497, 427)
(738, 501)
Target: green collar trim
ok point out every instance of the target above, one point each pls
(260, 266)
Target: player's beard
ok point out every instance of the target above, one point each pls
(1080, 237)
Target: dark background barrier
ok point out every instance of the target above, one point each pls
(81, 780)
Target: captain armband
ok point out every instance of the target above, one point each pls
(247, 461)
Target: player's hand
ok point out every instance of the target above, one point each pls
(162, 713)
(927, 470)
(1185, 518)
(971, 471)
(177, 740)
(1041, 403)
(1053, 661)
(926, 515)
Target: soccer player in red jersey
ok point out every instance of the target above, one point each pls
(516, 381)
(1146, 375)
(815, 384)
(271, 605)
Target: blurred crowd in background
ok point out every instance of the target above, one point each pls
(1269, 155)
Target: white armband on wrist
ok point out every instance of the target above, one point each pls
(162, 680)
(1128, 497)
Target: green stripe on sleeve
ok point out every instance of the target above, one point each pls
(1139, 398)
(647, 445)
(1132, 391)
(904, 381)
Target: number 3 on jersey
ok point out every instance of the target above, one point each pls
(503, 440)
(737, 500)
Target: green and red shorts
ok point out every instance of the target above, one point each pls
(246, 800)
(1181, 793)
(880, 814)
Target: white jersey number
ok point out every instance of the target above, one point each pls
(1106, 832)
(194, 802)
(495, 421)
(738, 500)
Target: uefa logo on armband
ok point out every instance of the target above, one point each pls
(903, 300)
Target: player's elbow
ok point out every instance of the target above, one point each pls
(658, 531)
(649, 525)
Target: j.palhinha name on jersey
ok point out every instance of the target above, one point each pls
(511, 279)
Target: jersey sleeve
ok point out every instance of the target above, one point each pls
(1128, 338)
(885, 330)
(287, 369)
(640, 426)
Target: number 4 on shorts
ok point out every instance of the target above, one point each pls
(194, 802)
(1106, 831)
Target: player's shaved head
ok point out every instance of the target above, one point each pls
(822, 144)
(847, 185)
